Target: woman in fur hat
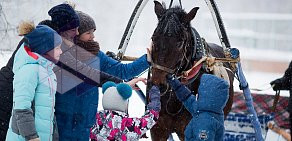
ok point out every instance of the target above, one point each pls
(114, 123)
(34, 84)
(77, 105)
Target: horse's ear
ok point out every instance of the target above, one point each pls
(158, 8)
(191, 15)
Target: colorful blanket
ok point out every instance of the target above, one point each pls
(238, 124)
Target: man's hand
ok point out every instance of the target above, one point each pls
(149, 59)
(135, 81)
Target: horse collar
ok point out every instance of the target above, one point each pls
(198, 49)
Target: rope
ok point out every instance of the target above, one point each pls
(166, 108)
(276, 99)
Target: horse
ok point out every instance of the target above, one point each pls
(176, 46)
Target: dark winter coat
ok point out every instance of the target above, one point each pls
(77, 102)
(207, 110)
(6, 91)
(287, 84)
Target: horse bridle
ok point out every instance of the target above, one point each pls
(169, 70)
(183, 45)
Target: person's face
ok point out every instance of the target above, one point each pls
(70, 34)
(55, 53)
(87, 36)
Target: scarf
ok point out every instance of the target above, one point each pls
(86, 50)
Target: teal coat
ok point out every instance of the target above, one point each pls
(33, 98)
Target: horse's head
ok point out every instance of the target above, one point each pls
(171, 41)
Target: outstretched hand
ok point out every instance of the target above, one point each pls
(135, 81)
(149, 53)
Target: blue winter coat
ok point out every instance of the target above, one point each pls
(208, 121)
(33, 98)
(76, 109)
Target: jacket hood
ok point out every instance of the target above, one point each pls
(213, 93)
(24, 56)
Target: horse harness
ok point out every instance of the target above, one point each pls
(198, 51)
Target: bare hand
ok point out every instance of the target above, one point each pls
(36, 139)
(135, 81)
(149, 53)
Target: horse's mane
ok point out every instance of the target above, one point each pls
(170, 23)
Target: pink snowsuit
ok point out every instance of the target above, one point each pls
(116, 125)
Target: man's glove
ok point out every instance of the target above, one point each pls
(276, 84)
(154, 95)
(182, 92)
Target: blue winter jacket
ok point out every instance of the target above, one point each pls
(76, 109)
(207, 110)
(33, 98)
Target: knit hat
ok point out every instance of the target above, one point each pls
(64, 17)
(48, 23)
(41, 38)
(115, 96)
(86, 22)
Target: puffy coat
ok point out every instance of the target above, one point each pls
(116, 125)
(34, 97)
(207, 110)
(6, 93)
(76, 104)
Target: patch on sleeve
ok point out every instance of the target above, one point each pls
(203, 135)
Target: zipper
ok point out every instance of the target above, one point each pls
(51, 94)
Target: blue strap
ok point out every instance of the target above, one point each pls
(249, 103)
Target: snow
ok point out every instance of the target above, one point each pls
(4, 57)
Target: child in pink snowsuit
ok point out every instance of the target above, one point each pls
(114, 123)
